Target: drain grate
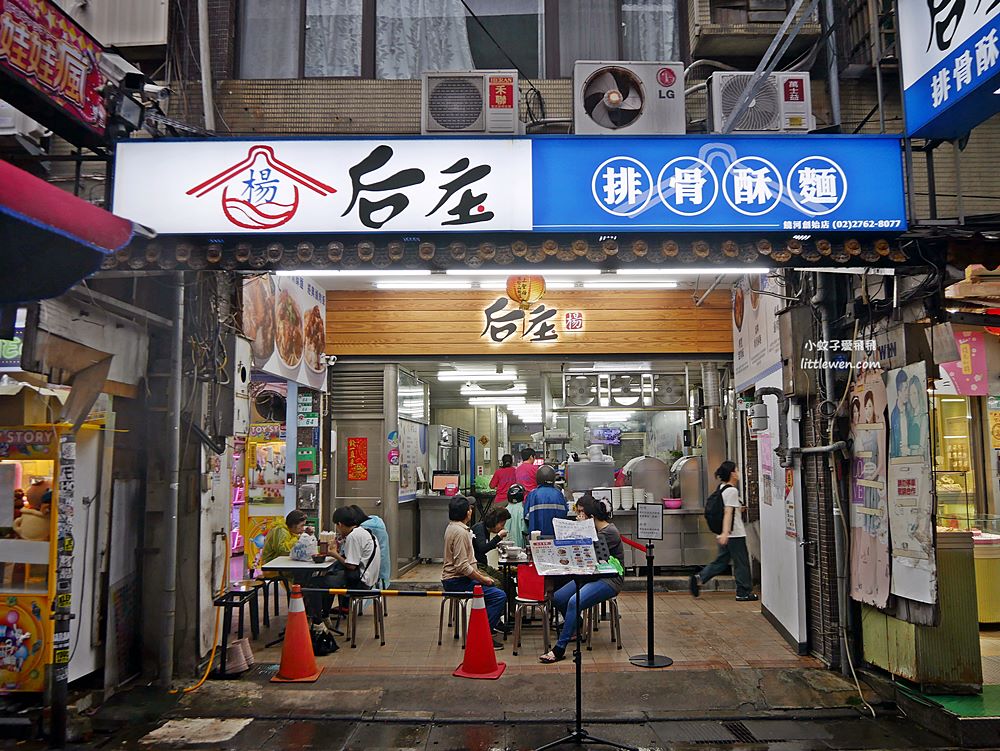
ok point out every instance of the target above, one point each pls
(265, 670)
(741, 732)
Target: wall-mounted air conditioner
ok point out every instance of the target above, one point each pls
(471, 101)
(783, 103)
(628, 98)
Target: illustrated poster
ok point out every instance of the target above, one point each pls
(911, 530)
(412, 454)
(25, 642)
(870, 566)
(969, 373)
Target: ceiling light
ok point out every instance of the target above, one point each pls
(423, 285)
(517, 389)
(353, 272)
(477, 375)
(630, 285)
(498, 401)
(709, 271)
(502, 286)
(609, 416)
(520, 272)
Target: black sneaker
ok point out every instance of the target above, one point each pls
(694, 585)
(497, 642)
(747, 598)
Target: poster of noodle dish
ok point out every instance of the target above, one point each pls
(284, 317)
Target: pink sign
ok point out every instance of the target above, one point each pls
(968, 373)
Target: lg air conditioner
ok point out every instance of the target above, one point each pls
(628, 98)
(783, 104)
(470, 101)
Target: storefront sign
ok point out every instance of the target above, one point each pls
(950, 53)
(690, 183)
(756, 343)
(388, 323)
(911, 527)
(267, 431)
(357, 459)
(284, 317)
(870, 569)
(969, 374)
(307, 420)
(44, 50)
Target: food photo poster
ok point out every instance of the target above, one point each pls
(284, 317)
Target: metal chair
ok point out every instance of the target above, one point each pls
(355, 604)
(590, 623)
(457, 615)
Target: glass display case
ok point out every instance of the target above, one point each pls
(954, 473)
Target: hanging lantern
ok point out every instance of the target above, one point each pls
(989, 311)
(525, 290)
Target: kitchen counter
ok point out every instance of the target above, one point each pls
(687, 540)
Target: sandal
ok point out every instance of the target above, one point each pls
(551, 657)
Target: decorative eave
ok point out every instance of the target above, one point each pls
(535, 251)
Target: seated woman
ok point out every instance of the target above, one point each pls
(493, 523)
(281, 538)
(592, 592)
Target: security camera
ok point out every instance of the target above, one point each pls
(156, 92)
(329, 360)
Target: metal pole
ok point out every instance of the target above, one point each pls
(169, 558)
(205, 63)
(832, 67)
(650, 659)
(959, 203)
(931, 182)
(875, 24)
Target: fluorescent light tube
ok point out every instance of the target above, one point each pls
(707, 271)
(353, 272)
(499, 401)
(423, 285)
(630, 285)
(502, 286)
(518, 389)
(522, 272)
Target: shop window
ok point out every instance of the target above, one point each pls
(954, 468)
(400, 39)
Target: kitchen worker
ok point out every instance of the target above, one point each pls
(503, 478)
(525, 472)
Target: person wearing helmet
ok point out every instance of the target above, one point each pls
(517, 530)
(545, 502)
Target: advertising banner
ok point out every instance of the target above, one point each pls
(911, 526)
(284, 317)
(554, 183)
(950, 51)
(756, 342)
(869, 517)
(969, 374)
(44, 50)
(357, 459)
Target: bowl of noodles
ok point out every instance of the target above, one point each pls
(288, 329)
(258, 318)
(315, 339)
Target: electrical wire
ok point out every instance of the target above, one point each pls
(215, 638)
(522, 77)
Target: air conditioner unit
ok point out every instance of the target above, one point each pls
(783, 103)
(470, 101)
(13, 122)
(628, 98)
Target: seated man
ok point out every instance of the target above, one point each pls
(460, 573)
(358, 560)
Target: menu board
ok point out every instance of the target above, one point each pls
(284, 317)
(564, 557)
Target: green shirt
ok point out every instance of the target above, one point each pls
(279, 542)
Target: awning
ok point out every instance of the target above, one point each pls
(49, 239)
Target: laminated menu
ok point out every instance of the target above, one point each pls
(564, 557)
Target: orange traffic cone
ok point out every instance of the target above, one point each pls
(298, 662)
(480, 660)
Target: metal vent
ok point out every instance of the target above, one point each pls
(764, 108)
(463, 437)
(456, 103)
(357, 392)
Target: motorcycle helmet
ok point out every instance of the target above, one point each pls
(545, 475)
(515, 493)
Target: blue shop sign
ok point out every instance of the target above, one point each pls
(715, 184)
(950, 64)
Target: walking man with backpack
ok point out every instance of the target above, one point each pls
(723, 512)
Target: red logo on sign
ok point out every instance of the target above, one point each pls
(261, 192)
(794, 90)
(501, 92)
(666, 77)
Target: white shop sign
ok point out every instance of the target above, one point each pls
(649, 521)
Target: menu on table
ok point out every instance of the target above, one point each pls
(564, 557)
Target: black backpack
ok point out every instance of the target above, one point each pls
(715, 509)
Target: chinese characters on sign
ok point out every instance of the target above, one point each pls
(357, 459)
(535, 325)
(45, 49)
